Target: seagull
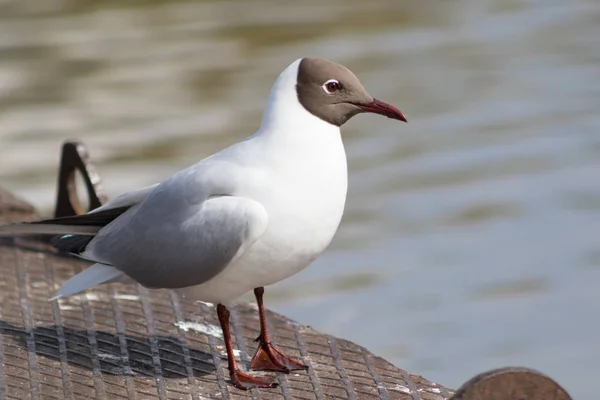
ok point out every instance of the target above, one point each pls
(244, 218)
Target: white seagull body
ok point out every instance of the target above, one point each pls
(246, 217)
(285, 186)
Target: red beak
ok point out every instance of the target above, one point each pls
(380, 107)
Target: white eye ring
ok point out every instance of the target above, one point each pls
(331, 86)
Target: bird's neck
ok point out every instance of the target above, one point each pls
(290, 118)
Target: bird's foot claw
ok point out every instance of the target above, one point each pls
(244, 381)
(269, 358)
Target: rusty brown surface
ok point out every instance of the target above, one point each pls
(122, 341)
(511, 383)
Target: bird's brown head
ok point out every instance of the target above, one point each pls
(333, 93)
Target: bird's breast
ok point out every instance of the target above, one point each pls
(304, 194)
(305, 208)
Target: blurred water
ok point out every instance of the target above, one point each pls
(471, 235)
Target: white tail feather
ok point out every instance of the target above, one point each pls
(97, 274)
(49, 229)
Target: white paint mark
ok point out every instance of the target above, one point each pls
(211, 330)
(430, 390)
(107, 356)
(223, 351)
(92, 296)
(206, 303)
(400, 388)
(130, 297)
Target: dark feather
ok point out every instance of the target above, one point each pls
(71, 244)
(76, 244)
(100, 218)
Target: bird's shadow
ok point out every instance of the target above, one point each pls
(113, 354)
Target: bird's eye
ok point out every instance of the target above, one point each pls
(332, 86)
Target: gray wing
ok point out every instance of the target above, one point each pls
(178, 244)
(100, 217)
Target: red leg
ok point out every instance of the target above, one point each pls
(268, 357)
(240, 380)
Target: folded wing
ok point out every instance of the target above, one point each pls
(100, 217)
(179, 245)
